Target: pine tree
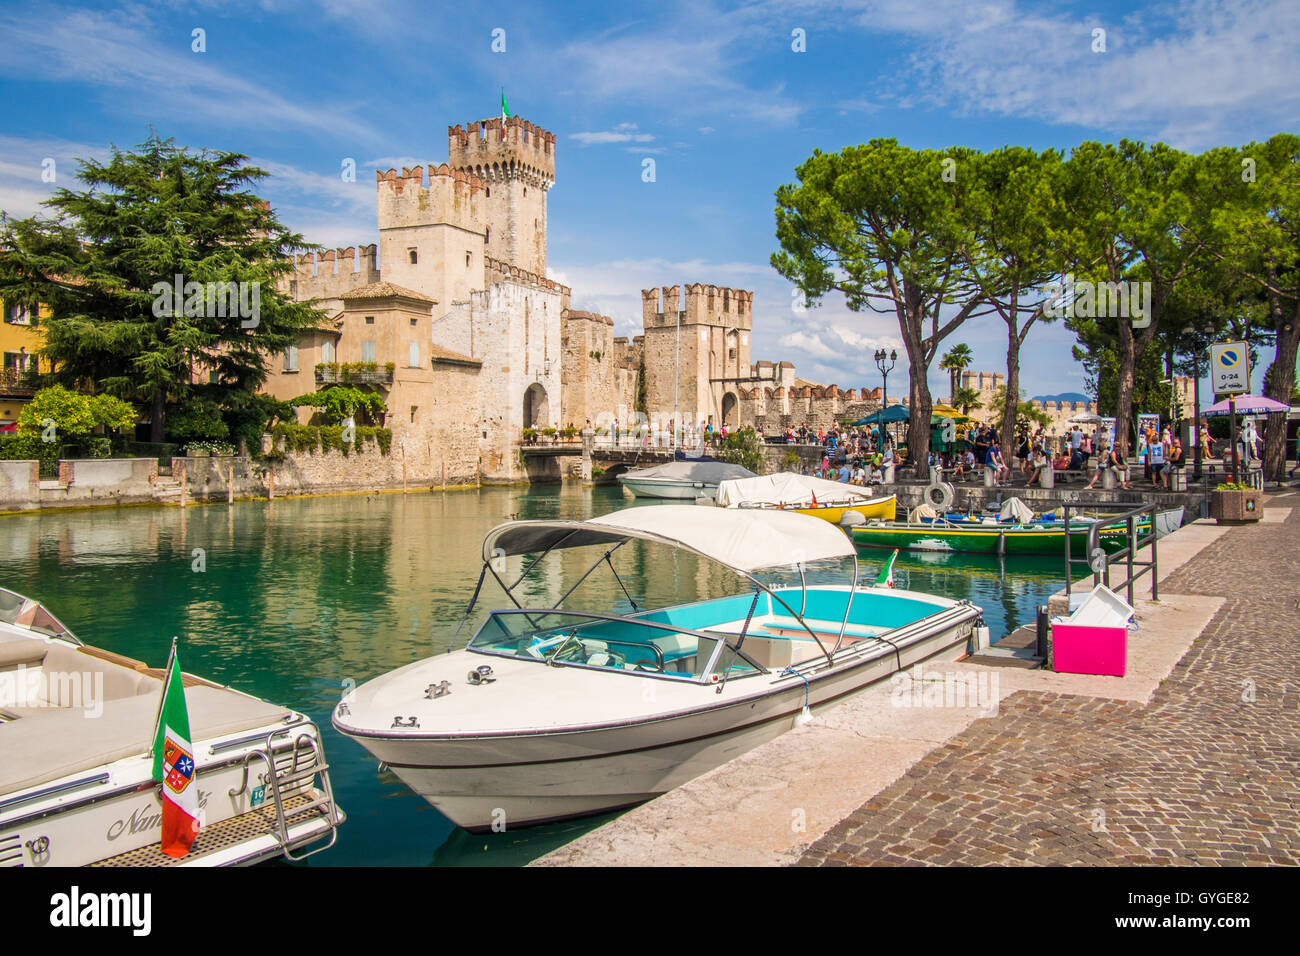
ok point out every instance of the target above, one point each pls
(102, 261)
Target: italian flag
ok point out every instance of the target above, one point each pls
(173, 765)
(505, 113)
(885, 579)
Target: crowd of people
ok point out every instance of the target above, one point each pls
(861, 455)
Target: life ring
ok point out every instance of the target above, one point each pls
(946, 494)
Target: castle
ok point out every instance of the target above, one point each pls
(451, 318)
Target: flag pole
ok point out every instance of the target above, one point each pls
(157, 717)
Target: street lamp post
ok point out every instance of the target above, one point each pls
(881, 359)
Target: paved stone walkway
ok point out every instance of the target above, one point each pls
(1207, 773)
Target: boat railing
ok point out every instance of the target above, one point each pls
(1099, 561)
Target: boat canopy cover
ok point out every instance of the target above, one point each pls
(743, 540)
(705, 472)
(1013, 509)
(787, 488)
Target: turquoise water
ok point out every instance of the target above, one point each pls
(289, 600)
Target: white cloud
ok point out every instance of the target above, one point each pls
(159, 80)
(1194, 73)
(618, 135)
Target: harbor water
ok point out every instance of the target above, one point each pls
(298, 600)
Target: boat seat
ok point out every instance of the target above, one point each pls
(60, 741)
(22, 651)
(118, 681)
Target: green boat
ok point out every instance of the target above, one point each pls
(992, 538)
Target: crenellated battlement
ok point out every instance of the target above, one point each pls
(445, 196)
(498, 270)
(572, 315)
(526, 152)
(702, 305)
(340, 262)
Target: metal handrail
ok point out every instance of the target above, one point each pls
(1134, 542)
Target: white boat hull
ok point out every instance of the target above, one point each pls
(678, 490)
(508, 780)
(122, 812)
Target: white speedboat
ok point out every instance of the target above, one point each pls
(687, 479)
(549, 713)
(76, 783)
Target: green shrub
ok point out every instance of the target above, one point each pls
(27, 448)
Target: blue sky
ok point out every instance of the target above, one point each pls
(713, 93)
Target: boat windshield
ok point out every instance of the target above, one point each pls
(613, 643)
(24, 612)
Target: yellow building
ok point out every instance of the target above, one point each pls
(20, 343)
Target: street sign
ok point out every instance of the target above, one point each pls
(1229, 368)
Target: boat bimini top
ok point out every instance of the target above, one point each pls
(744, 541)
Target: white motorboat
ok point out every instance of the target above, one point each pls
(686, 479)
(550, 713)
(76, 783)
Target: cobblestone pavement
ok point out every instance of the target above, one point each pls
(1207, 773)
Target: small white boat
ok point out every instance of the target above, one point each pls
(76, 781)
(549, 714)
(687, 479)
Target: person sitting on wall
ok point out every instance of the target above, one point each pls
(1177, 457)
(1062, 462)
(1037, 460)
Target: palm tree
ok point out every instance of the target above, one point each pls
(964, 399)
(956, 360)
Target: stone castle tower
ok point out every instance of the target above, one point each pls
(517, 169)
(716, 323)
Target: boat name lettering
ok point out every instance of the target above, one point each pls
(148, 817)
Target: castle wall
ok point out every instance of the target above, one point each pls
(327, 275)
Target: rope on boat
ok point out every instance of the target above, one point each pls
(805, 715)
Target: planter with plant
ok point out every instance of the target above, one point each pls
(530, 436)
(549, 432)
(1236, 503)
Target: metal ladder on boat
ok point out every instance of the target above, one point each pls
(305, 760)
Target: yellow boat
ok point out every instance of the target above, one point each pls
(885, 508)
(807, 495)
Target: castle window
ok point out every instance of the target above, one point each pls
(414, 256)
(370, 320)
(413, 360)
(368, 351)
(414, 408)
(291, 358)
(487, 234)
(414, 322)
(488, 192)
(327, 353)
(467, 258)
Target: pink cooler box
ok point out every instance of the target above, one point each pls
(1081, 649)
